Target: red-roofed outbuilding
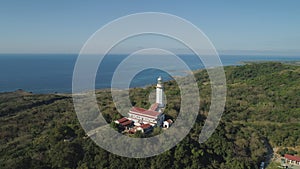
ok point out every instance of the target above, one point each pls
(127, 123)
(122, 120)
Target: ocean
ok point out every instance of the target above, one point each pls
(52, 73)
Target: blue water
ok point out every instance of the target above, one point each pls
(50, 73)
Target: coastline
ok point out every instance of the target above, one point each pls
(295, 63)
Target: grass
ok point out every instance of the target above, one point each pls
(273, 165)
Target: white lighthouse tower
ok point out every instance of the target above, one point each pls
(159, 93)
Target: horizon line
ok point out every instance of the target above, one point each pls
(220, 52)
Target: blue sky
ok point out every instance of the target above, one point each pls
(234, 27)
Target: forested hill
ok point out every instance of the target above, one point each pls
(262, 109)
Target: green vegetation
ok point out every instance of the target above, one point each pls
(274, 165)
(262, 109)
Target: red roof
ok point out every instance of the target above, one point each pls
(145, 126)
(170, 121)
(291, 157)
(122, 120)
(154, 107)
(144, 112)
(126, 123)
(138, 109)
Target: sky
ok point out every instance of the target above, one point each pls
(234, 27)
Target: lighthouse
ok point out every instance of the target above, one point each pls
(153, 116)
(159, 93)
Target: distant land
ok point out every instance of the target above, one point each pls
(260, 121)
(296, 63)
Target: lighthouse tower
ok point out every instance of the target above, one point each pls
(159, 93)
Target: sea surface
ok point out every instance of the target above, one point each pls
(52, 73)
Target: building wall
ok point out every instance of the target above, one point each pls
(141, 119)
(293, 162)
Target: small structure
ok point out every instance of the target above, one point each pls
(124, 123)
(292, 159)
(121, 120)
(167, 123)
(144, 128)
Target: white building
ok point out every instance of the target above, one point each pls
(154, 114)
(292, 159)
